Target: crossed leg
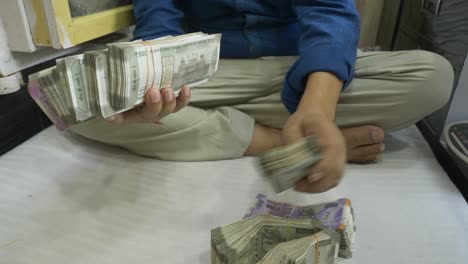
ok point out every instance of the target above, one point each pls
(239, 112)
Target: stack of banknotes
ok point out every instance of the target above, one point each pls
(285, 166)
(337, 215)
(275, 232)
(102, 83)
(315, 249)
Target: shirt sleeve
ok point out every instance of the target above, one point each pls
(330, 31)
(157, 18)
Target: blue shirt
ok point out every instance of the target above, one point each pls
(323, 33)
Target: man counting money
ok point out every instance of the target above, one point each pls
(288, 69)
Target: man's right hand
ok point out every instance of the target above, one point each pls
(328, 172)
(315, 116)
(158, 104)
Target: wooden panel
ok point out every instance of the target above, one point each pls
(388, 23)
(68, 32)
(371, 12)
(406, 42)
(52, 25)
(411, 16)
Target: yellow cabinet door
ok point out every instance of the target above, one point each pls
(63, 24)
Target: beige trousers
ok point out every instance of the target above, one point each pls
(392, 90)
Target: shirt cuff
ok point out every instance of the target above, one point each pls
(327, 58)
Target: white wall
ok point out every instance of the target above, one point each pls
(7, 63)
(16, 26)
(13, 62)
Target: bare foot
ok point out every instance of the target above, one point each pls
(364, 144)
(264, 138)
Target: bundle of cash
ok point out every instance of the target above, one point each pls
(285, 166)
(106, 82)
(319, 248)
(250, 240)
(337, 215)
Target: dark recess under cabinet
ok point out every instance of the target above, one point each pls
(20, 119)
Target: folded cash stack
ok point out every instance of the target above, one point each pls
(285, 166)
(280, 233)
(105, 82)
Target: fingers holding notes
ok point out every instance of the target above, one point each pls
(158, 104)
(183, 99)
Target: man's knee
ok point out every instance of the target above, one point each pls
(434, 81)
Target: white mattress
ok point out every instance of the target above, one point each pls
(64, 199)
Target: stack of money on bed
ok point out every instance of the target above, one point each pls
(337, 215)
(249, 241)
(274, 232)
(285, 166)
(319, 248)
(106, 82)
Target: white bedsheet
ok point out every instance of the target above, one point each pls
(64, 199)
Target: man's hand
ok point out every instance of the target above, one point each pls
(158, 104)
(329, 171)
(315, 116)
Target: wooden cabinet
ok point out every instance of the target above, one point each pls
(60, 24)
(379, 20)
(370, 12)
(388, 24)
(65, 23)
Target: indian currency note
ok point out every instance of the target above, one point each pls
(90, 68)
(43, 89)
(56, 86)
(51, 86)
(89, 85)
(321, 247)
(287, 165)
(338, 215)
(71, 69)
(269, 236)
(102, 82)
(239, 242)
(189, 62)
(76, 88)
(288, 176)
(324, 249)
(284, 152)
(35, 91)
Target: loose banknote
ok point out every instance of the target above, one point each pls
(102, 83)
